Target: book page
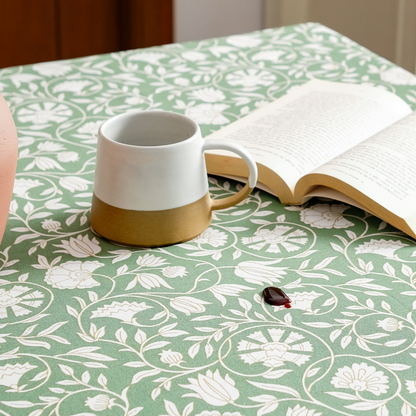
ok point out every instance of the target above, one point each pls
(312, 124)
(382, 167)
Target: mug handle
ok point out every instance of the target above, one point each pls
(252, 179)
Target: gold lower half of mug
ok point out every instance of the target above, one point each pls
(150, 228)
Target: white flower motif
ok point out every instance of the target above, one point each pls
(330, 66)
(411, 386)
(124, 311)
(194, 56)
(188, 304)
(326, 216)
(251, 78)
(148, 281)
(213, 237)
(244, 41)
(260, 272)
(171, 357)
(150, 57)
(49, 146)
(25, 141)
(74, 183)
(52, 69)
(136, 97)
(217, 413)
(218, 50)
(80, 247)
(10, 374)
(282, 235)
(150, 260)
(207, 94)
(99, 402)
(181, 81)
(262, 103)
(303, 300)
(398, 76)
(276, 352)
(22, 78)
(44, 163)
(390, 324)
(361, 377)
(174, 271)
(16, 297)
(272, 55)
(68, 156)
(301, 411)
(75, 86)
(227, 289)
(73, 275)
(381, 248)
(208, 113)
(213, 389)
(88, 132)
(38, 113)
(22, 186)
(134, 100)
(51, 225)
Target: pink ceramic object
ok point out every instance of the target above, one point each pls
(8, 160)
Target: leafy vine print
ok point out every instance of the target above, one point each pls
(88, 327)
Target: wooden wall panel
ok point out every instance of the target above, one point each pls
(147, 23)
(44, 30)
(27, 32)
(88, 27)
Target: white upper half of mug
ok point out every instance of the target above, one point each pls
(150, 161)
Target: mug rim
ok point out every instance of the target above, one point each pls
(136, 112)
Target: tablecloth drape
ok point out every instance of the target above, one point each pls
(88, 327)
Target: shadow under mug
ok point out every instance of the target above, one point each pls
(151, 186)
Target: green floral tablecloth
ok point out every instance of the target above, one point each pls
(88, 327)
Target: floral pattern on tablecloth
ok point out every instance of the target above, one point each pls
(88, 327)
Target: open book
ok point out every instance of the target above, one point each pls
(350, 142)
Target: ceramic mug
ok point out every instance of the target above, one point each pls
(151, 186)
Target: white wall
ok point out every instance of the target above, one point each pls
(203, 19)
